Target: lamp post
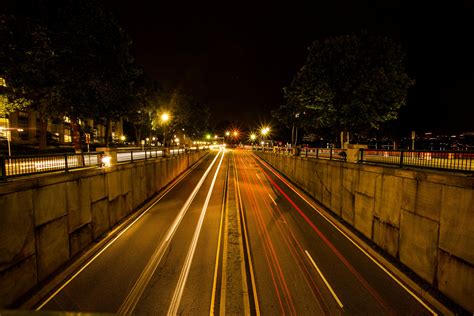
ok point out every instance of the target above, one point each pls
(164, 119)
(264, 132)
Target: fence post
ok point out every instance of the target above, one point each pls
(65, 162)
(131, 155)
(3, 170)
(401, 158)
(361, 155)
(330, 153)
(317, 152)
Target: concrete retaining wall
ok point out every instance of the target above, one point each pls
(46, 220)
(424, 219)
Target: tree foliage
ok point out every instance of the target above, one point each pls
(351, 83)
(187, 113)
(71, 59)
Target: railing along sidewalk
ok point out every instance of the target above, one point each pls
(12, 166)
(441, 160)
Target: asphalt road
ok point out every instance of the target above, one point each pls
(232, 237)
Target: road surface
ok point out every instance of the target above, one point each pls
(231, 236)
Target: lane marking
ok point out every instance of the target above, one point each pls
(92, 259)
(350, 239)
(257, 176)
(178, 292)
(247, 246)
(216, 269)
(324, 279)
(272, 199)
(138, 288)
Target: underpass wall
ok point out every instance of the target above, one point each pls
(46, 220)
(424, 219)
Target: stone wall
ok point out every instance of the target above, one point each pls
(46, 220)
(424, 219)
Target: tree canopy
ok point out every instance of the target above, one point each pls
(351, 83)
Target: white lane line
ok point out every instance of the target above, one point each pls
(272, 199)
(257, 176)
(415, 296)
(111, 242)
(138, 288)
(324, 279)
(178, 292)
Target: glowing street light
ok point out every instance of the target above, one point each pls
(164, 119)
(253, 137)
(265, 130)
(227, 133)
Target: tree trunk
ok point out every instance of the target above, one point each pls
(43, 134)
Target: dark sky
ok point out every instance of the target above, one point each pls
(237, 56)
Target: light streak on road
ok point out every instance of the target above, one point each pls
(314, 207)
(135, 294)
(178, 293)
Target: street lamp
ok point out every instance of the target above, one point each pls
(265, 130)
(164, 119)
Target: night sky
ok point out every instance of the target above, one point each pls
(237, 56)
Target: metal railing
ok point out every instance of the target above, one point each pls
(30, 164)
(441, 160)
(320, 153)
(15, 166)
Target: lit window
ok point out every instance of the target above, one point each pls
(67, 135)
(67, 119)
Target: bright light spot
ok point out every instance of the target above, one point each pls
(227, 133)
(176, 140)
(165, 117)
(208, 136)
(265, 130)
(262, 143)
(106, 161)
(215, 136)
(253, 136)
(122, 138)
(147, 139)
(236, 133)
(20, 129)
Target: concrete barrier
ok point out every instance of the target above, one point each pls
(424, 219)
(46, 220)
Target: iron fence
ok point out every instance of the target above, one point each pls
(442, 160)
(320, 153)
(12, 166)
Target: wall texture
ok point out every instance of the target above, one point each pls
(424, 219)
(46, 220)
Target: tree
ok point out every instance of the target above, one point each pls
(187, 113)
(351, 83)
(29, 67)
(71, 59)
